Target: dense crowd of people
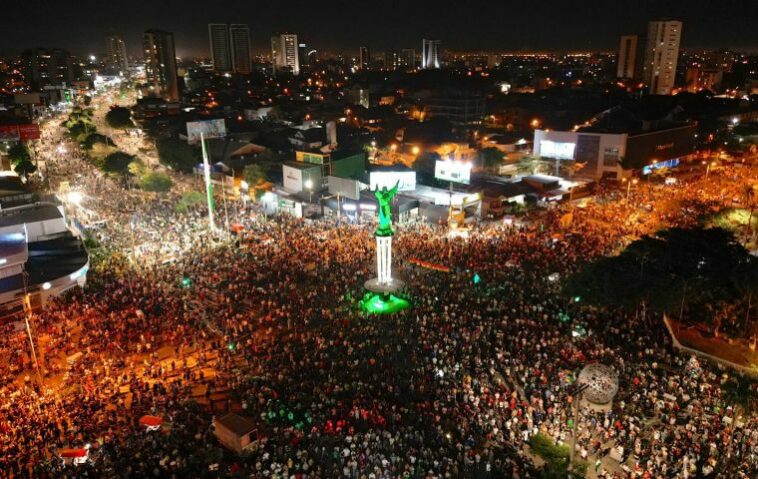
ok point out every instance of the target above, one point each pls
(267, 324)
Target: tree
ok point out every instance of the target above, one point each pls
(24, 168)
(119, 118)
(424, 165)
(556, 458)
(94, 138)
(177, 154)
(188, 199)
(118, 164)
(531, 165)
(255, 175)
(87, 100)
(491, 157)
(18, 153)
(80, 130)
(705, 268)
(157, 182)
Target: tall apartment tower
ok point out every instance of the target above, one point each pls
(429, 58)
(160, 63)
(218, 34)
(364, 58)
(284, 53)
(627, 57)
(239, 39)
(47, 66)
(115, 55)
(661, 55)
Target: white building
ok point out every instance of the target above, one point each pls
(430, 56)
(284, 53)
(116, 59)
(661, 55)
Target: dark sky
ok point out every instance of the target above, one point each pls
(337, 25)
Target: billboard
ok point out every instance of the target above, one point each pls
(9, 133)
(559, 151)
(209, 129)
(455, 171)
(344, 187)
(24, 132)
(406, 180)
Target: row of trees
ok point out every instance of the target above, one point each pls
(103, 153)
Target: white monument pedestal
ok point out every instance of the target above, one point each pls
(384, 282)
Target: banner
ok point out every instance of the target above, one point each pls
(209, 129)
(24, 132)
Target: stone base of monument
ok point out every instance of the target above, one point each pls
(392, 286)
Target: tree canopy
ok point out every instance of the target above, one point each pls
(255, 175)
(700, 267)
(157, 182)
(177, 154)
(18, 152)
(118, 163)
(491, 157)
(93, 138)
(119, 118)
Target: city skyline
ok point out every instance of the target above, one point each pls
(506, 26)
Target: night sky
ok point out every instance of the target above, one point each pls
(334, 25)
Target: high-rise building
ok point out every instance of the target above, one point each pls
(218, 34)
(115, 55)
(408, 57)
(661, 55)
(239, 39)
(364, 58)
(160, 63)
(302, 55)
(627, 59)
(284, 53)
(430, 58)
(47, 66)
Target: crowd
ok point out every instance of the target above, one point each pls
(268, 325)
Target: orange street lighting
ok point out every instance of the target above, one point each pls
(416, 150)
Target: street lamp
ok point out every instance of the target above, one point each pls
(629, 186)
(309, 187)
(708, 168)
(416, 150)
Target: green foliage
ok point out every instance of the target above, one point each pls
(556, 458)
(491, 157)
(255, 175)
(80, 130)
(94, 138)
(24, 168)
(705, 267)
(732, 219)
(119, 118)
(188, 199)
(18, 153)
(157, 182)
(118, 163)
(177, 154)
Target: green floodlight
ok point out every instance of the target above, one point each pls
(577, 299)
(186, 282)
(379, 304)
(477, 279)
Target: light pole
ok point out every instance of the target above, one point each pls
(309, 187)
(708, 165)
(629, 186)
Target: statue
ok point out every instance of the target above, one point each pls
(384, 198)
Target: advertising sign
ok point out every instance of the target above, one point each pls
(25, 132)
(9, 133)
(29, 132)
(406, 180)
(559, 151)
(455, 171)
(209, 129)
